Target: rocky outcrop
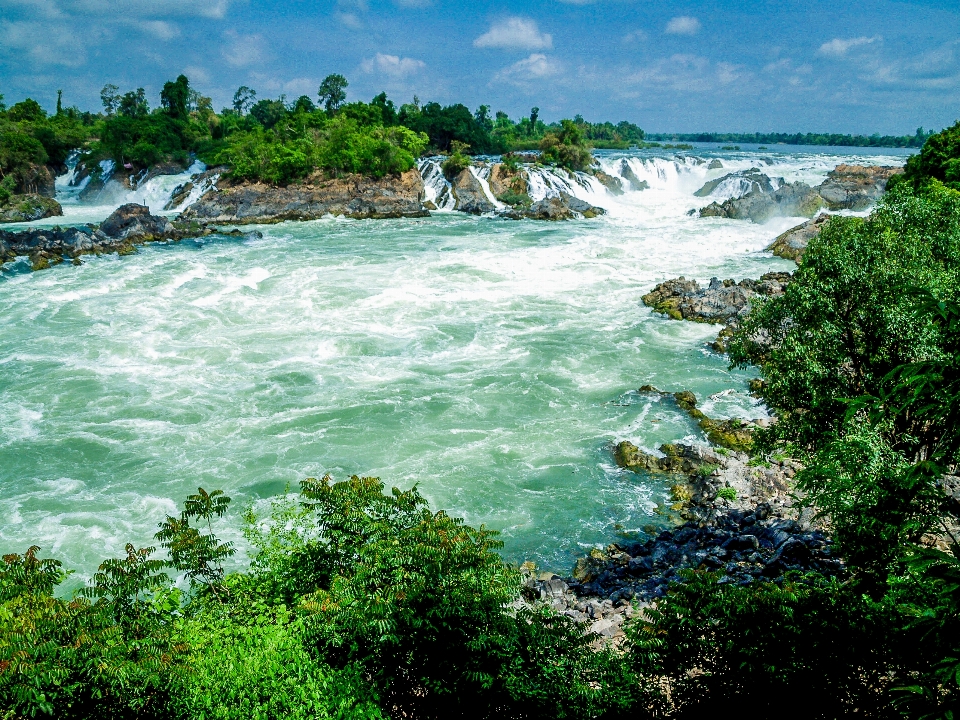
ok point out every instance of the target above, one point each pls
(202, 183)
(129, 226)
(847, 187)
(722, 301)
(737, 521)
(856, 187)
(132, 221)
(470, 194)
(627, 173)
(789, 199)
(504, 181)
(792, 244)
(613, 184)
(354, 196)
(746, 182)
(26, 208)
(37, 180)
(564, 207)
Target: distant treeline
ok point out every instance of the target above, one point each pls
(876, 140)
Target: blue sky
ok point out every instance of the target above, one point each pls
(839, 66)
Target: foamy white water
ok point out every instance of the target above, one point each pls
(492, 362)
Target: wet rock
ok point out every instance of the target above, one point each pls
(564, 207)
(354, 196)
(722, 301)
(793, 243)
(788, 200)
(25, 208)
(470, 195)
(856, 187)
(715, 164)
(132, 221)
(614, 185)
(627, 173)
(747, 182)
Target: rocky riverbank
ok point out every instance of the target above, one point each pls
(26, 208)
(723, 302)
(353, 196)
(738, 518)
(760, 198)
(129, 225)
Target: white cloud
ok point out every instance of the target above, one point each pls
(160, 29)
(838, 47)
(634, 37)
(536, 67)
(147, 8)
(683, 25)
(42, 43)
(392, 65)
(514, 33)
(243, 50)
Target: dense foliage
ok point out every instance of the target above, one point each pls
(835, 139)
(30, 140)
(860, 355)
(938, 160)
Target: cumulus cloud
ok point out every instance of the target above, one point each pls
(634, 37)
(514, 33)
(683, 25)
(392, 65)
(839, 47)
(535, 67)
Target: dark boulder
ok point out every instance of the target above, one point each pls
(132, 221)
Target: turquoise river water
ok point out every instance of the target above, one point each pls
(493, 363)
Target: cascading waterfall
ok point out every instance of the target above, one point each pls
(200, 187)
(482, 174)
(437, 189)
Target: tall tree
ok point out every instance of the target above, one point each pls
(333, 92)
(175, 96)
(110, 97)
(243, 99)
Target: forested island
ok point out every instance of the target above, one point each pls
(831, 139)
(363, 602)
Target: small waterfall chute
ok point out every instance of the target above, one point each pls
(437, 189)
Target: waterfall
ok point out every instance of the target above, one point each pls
(437, 189)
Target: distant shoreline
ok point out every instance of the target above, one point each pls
(817, 139)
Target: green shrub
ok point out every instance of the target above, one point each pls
(566, 148)
(727, 493)
(458, 160)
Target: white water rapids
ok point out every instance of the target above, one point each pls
(492, 362)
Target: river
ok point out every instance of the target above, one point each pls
(490, 362)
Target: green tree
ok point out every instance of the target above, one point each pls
(566, 147)
(134, 104)
(175, 96)
(243, 99)
(333, 92)
(197, 554)
(110, 97)
(846, 319)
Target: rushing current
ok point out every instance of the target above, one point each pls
(492, 363)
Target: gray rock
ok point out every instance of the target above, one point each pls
(748, 181)
(354, 196)
(793, 243)
(135, 221)
(856, 187)
(470, 194)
